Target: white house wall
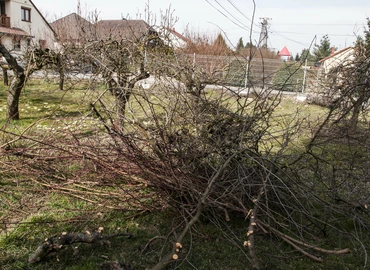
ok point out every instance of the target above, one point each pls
(336, 60)
(7, 42)
(38, 28)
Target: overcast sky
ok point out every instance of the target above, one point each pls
(293, 23)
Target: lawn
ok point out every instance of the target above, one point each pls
(74, 189)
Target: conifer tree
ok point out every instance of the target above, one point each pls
(240, 44)
(323, 49)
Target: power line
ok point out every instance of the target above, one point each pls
(290, 39)
(231, 3)
(302, 33)
(232, 15)
(318, 24)
(242, 25)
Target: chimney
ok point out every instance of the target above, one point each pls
(332, 51)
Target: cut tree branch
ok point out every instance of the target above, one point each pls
(294, 243)
(57, 242)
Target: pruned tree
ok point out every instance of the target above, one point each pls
(34, 59)
(16, 86)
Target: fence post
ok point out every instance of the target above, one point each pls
(193, 75)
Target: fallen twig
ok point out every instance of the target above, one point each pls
(294, 243)
(57, 242)
(251, 230)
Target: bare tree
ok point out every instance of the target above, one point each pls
(34, 59)
(16, 85)
(122, 64)
(348, 84)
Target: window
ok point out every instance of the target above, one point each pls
(28, 42)
(17, 43)
(26, 14)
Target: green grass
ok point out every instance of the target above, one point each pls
(40, 100)
(31, 212)
(209, 248)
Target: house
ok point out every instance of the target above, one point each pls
(337, 58)
(284, 53)
(175, 39)
(72, 29)
(134, 30)
(22, 25)
(75, 29)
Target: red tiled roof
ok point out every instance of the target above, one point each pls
(284, 52)
(75, 27)
(334, 54)
(72, 27)
(177, 34)
(129, 29)
(13, 31)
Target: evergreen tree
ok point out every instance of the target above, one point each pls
(220, 46)
(306, 54)
(249, 45)
(240, 44)
(220, 41)
(323, 50)
(296, 57)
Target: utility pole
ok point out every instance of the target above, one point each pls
(264, 32)
(305, 68)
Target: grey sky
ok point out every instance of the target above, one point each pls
(293, 23)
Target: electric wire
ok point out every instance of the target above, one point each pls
(247, 27)
(227, 13)
(222, 13)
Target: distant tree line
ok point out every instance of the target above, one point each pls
(319, 51)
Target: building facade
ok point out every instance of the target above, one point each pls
(22, 25)
(335, 59)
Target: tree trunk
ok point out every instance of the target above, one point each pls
(61, 79)
(123, 94)
(16, 86)
(14, 93)
(5, 76)
(60, 68)
(357, 106)
(121, 102)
